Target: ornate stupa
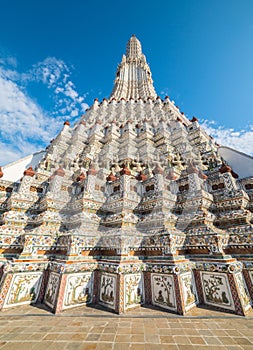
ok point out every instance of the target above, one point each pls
(133, 205)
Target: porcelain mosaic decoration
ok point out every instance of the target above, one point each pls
(216, 290)
(24, 289)
(79, 289)
(133, 205)
(52, 289)
(108, 290)
(189, 290)
(134, 294)
(163, 291)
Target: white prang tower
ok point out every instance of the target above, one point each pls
(133, 205)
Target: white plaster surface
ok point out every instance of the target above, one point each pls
(241, 163)
(14, 171)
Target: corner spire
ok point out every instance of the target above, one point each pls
(133, 76)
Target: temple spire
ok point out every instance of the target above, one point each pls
(133, 49)
(133, 76)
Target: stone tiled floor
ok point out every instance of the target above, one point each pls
(86, 328)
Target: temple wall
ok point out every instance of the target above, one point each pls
(173, 288)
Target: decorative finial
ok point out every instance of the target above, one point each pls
(81, 177)
(92, 170)
(125, 170)
(158, 170)
(59, 172)
(111, 177)
(141, 177)
(29, 172)
(202, 175)
(225, 169)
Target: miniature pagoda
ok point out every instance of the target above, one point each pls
(133, 205)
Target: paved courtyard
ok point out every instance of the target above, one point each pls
(90, 328)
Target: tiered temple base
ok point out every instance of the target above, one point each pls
(119, 286)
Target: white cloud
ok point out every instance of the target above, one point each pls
(164, 92)
(240, 140)
(49, 71)
(55, 74)
(25, 126)
(9, 153)
(10, 61)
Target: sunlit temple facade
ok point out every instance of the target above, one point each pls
(133, 205)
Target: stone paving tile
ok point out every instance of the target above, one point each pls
(167, 339)
(188, 347)
(104, 346)
(77, 337)
(181, 340)
(122, 338)
(124, 330)
(107, 337)
(197, 340)
(92, 337)
(212, 341)
(137, 338)
(205, 332)
(222, 333)
(228, 340)
(51, 336)
(110, 330)
(137, 346)
(246, 332)
(21, 346)
(137, 330)
(190, 332)
(89, 346)
(73, 346)
(152, 338)
(120, 346)
(243, 341)
(150, 346)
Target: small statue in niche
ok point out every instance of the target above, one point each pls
(224, 298)
(111, 297)
(169, 159)
(139, 295)
(160, 297)
(47, 164)
(177, 162)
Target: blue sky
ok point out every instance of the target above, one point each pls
(57, 56)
